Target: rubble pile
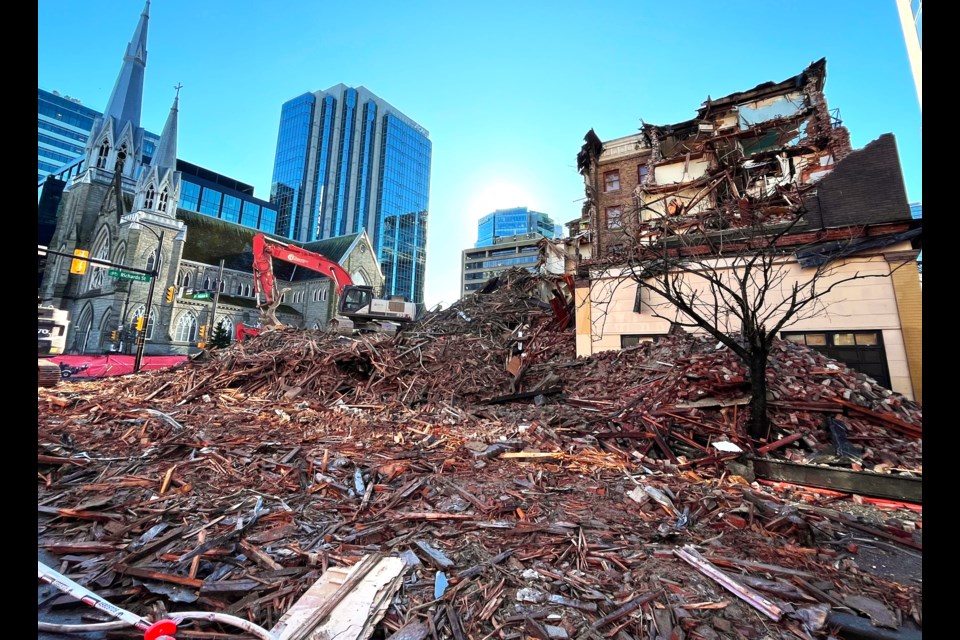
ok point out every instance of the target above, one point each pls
(513, 298)
(234, 505)
(690, 387)
(567, 498)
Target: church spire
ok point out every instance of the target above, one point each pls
(158, 187)
(127, 97)
(165, 156)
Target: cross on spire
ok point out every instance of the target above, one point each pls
(178, 86)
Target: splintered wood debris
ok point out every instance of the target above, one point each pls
(599, 509)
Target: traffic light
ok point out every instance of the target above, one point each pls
(78, 265)
(171, 292)
(140, 322)
(201, 345)
(203, 331)
(114, 335)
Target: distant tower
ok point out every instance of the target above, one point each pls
(910, 20)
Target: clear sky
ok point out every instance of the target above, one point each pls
(507, 90)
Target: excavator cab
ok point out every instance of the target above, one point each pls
(355, 298)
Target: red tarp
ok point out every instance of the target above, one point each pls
(114, 365)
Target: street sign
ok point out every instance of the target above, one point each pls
(129, 275)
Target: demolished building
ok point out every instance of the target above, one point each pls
(772, 155)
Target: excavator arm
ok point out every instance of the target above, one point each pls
(265, 283)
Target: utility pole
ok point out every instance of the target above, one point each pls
(216, 300)
(908, 21)
(142, 335)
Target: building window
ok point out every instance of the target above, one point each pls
(246, 291)
(611, 180)
(222, 286)
(633, 340)
(642, 171)
(239, 289)
(139, 313)
(186, 279)
(148, 201)
(614, 217)
(151, 259)
(102, 155)
(186, 327)
(207, 285)
(102, 252)
(163, 202)
(323, 295)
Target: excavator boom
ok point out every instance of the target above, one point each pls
(356, 303)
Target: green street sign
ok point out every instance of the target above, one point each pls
(128, 275)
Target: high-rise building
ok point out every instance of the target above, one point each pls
(503, 223)
(63, 131)
(63, 128)
(481, 263)
(347, 161)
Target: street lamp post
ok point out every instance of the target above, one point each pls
(141, 336)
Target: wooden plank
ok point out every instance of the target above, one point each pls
(867, 483)
(138, 572)
(79, 514)
(759, 602)
(344, 603)
(533, 455)
(257, 555)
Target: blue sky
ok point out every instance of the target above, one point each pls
(506, 89)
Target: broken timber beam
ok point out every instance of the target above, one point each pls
(692, 557)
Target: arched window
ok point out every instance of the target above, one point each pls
(246, 291)
(101, 251)
(207, 284)
(223, 286)
(82, 331)
(323, 295)
(162, 207)
(137, 313)
(186, 327)
(179, 278)
(186, 279)
(120, 253)
(239, 289)
(151, 195)
(102, 154)
(107, 324)
(359, 277)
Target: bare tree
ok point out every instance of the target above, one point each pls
(736, 276)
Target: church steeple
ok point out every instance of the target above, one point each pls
(127, 97)
(165, 156)
(158, 188)
(116, 140)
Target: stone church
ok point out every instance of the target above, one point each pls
(125, 211)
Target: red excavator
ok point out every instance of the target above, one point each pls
(357, 308)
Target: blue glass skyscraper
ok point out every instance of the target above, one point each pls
(347, 160)
(514, 222)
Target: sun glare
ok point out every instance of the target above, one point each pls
(498, 195)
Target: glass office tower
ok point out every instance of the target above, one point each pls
(347, 161)
(63, 127)
(517, 221)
